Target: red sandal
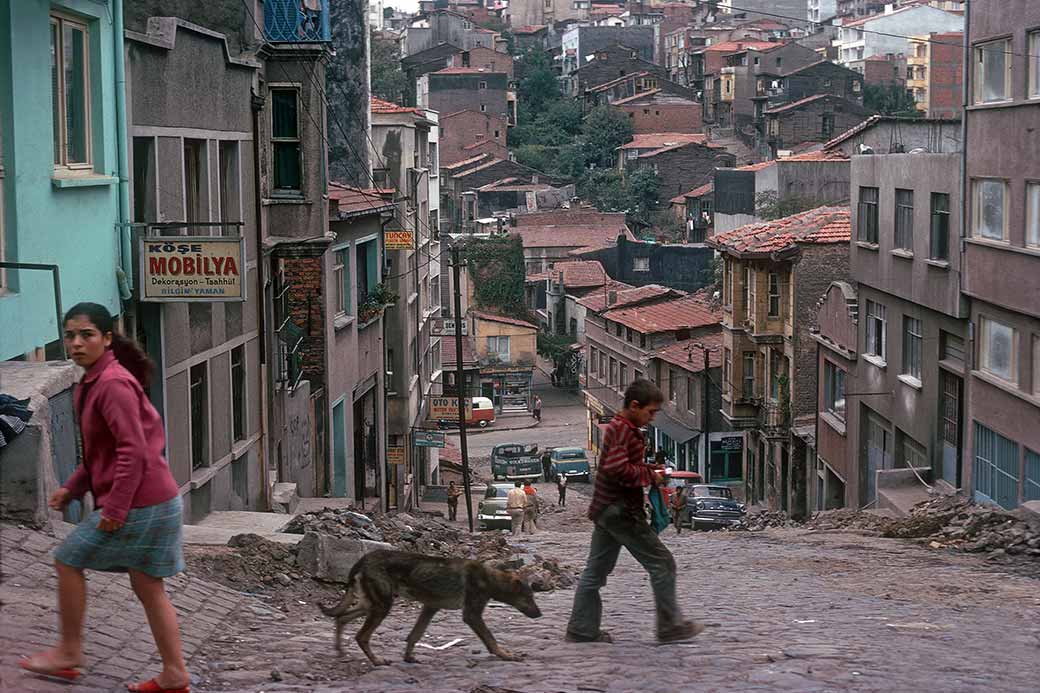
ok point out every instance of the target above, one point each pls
(152, 686)
(65, 673)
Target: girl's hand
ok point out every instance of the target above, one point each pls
(59, 499)
(107, 524)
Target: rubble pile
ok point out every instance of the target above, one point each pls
(340, 522)
(542, 574)
(846, 519)
(756, 522)
(250, 563)
(957, 522)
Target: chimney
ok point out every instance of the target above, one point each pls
(611, 298)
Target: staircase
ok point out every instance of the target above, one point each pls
(898, 490)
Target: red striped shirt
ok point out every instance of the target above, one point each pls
(622, 471)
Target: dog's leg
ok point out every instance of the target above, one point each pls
(472, 616)
(376, 613)
(344, 620)
(418, 629)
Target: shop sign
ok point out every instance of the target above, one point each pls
(447, 327)
(732, 443)
(593, 404)
(194, 269)
(398, 239)
(429, 439)
(447, 408)
(395, 455)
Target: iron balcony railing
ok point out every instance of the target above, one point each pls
(773, 417)
(296, 21)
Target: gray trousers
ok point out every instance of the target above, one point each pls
(615, 528)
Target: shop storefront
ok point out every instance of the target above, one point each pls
(678, 442)
(508, 388)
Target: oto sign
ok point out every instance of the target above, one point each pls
(192, 269)
(398, 240)
(447, 408)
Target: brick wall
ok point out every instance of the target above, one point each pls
(664, 117)
(306, 306)
(683, 169)
(945, 76)
(490, 60)
(472, 128)
(455, 92)
(805, 124)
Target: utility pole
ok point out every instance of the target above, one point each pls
(460, 378)
(705, 380)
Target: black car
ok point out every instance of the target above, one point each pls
(712, 507)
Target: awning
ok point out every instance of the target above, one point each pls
(673, 429)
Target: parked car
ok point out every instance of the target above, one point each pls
(491, 512)
(675, 479)
(712, 507)
(515, 461)
(482, 414)
(572, 463)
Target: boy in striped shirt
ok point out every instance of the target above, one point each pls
(617, 510)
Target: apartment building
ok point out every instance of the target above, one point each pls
(890, 32)
(934, 74)
(1001, 272)
(774, 273)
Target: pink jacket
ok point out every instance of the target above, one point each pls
(123, 441)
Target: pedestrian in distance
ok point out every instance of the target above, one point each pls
(516, 502)
(136, 524)
(453, 501)
(678, 508)
(547, 465)
(530, 508)
(537, 408)
(561, 488)
(620, 521)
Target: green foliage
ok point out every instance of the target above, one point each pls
(496, 268)
(608, 191)
(539, 86)
(769, 205)
(553, 347)
(536, 156)
(890, 99)
(642, 187)
(603, 131)
(389, 81)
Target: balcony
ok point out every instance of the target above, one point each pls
(774, 419)
(296, 21)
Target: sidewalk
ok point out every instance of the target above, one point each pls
(119, 646)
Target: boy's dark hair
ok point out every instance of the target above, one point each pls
(644, 392)
(517, 484)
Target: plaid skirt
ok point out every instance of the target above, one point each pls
(150, 541)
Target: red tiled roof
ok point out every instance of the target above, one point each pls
(689, 357)
(468, 71)
(536, 277)
(618, 80)
(756, 167)
(448, 358)
(352, 201)
(660, 140)
(640, 95)
(797, 104)
(580, 274)
(532, 29)
(685, 312)
(505, 320)
(736, 46)
(566, 236)
(816, 226)
(852, 132)
(381, 106)
(462, 163)
(696, 192)
(818, 155)
(627, 297)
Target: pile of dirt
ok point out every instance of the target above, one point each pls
(957, 522)
(542, 574)
(340, 522)
(846, 519)
(766, 519)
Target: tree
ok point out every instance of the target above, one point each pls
(890, 99)
(537, 156)
(641, 188)
(603, 131)
(389, 82)
(604, 189)
(539, 86)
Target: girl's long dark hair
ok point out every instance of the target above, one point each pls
(127, 351)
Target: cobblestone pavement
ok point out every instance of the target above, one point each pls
(119, 647)
(786, 609)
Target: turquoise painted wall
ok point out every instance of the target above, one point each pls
(73, 227)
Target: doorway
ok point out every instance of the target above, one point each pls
(785, 471)
(950, 396)
(879, 453)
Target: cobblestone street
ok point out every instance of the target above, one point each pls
(787, 610)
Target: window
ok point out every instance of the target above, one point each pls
(827, 124)
(481, 85)
(1034, 64)
(602, 366)
(913, 454)
(867, 217)
(993, 72)
(834, 390)
(70, 92)
(912, 341)
(877, 325)
(613, 373)
(997, 349)
(951, 347)
(628, 335)
(642, 340)
(496, 134)
(285, 139)
(996, 467)
(1036, 366)
(990, 202)
(776, 372)
(1031, 485)
(640, 264)
(749, 292)
(726, 369)
(905, 219)
(748, 389)
(617, 329)
(593, 362)
(691, 400)
(939, 244)
(623, 377)
(726, 279)
(195, 183)
(366, 264)
(1033, 215)
(483, 108)
(434, 158)
(230, 186)
(238, 392)
(199, 414)
(774, 295)
(341, 280)
(673, 386)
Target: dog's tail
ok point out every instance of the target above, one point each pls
(349, 597)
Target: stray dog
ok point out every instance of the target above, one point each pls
(438, 583)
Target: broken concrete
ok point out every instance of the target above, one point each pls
(330, 558)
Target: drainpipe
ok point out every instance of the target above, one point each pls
(122, 160)
(966, 85)
(266, 397)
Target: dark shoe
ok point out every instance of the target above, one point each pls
(681, 633)
(603, 636)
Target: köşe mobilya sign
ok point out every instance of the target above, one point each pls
(192, 268)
